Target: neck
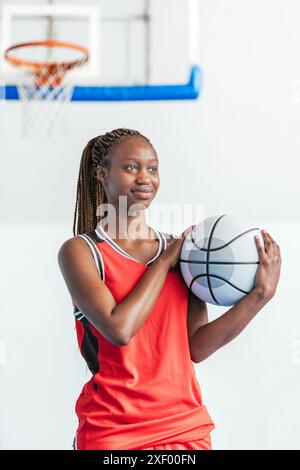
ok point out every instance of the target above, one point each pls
(126, 227)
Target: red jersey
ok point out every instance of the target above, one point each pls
(144, 393)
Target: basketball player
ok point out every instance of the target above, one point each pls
(138, 326)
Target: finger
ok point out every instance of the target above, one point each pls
(181, 235)
(278, 251)
(187, 231)
(271, 239)
(260, 248)
(276, 247)
(268, 243)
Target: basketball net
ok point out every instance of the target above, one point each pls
(44, 88)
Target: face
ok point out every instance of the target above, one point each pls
(133, 173)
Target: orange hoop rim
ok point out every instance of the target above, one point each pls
(39, 65)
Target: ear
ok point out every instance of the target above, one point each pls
(100, 174)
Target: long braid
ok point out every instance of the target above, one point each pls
(90, 191)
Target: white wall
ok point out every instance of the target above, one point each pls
(234, 150)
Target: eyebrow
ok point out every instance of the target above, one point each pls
(137, 160)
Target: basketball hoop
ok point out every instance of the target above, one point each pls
(42, 84)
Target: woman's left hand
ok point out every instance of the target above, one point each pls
(268, 271)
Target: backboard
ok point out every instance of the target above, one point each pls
(139, 49)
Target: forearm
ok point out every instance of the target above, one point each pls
(212, 336)
(132, 312)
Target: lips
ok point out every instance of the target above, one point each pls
(142, 193)
(142, 190)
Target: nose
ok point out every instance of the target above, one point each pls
(142, 177)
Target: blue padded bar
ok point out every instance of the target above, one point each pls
(188, 91)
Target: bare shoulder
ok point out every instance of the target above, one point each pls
(73, 247)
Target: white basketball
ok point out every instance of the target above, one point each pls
(219, 259)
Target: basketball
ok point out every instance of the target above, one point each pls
(219, 259)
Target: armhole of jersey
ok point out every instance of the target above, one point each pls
(96, 254)
(99, 265)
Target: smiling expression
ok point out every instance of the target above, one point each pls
(133, 172)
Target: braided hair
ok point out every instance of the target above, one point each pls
(90, 191)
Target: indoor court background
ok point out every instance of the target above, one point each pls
(235, 149)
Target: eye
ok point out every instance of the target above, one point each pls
(155, 168)
(131, 166)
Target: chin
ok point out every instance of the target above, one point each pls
(140, 202)
(139, 205)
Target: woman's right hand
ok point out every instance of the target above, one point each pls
(172, 252)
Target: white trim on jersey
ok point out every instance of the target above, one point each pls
(98, 259)
(78, 315)
(165, 240)
(96, 254)
(103, 235)
(159, 248)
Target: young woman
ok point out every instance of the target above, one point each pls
(138, 326)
